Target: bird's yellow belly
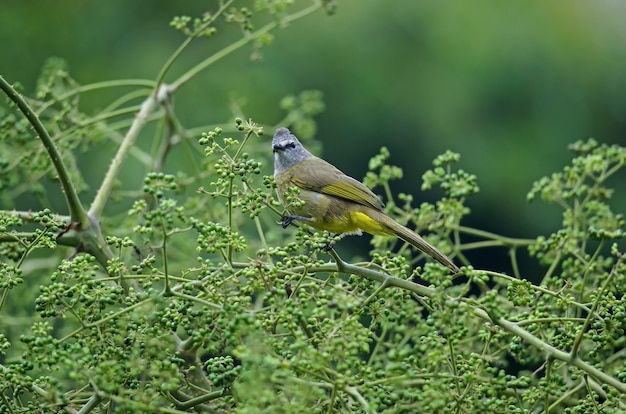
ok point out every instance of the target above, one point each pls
(349, 223)
(368, 224)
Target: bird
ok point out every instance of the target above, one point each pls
(334, 201)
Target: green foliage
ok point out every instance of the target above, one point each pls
(195, 299)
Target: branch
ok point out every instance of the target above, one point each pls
(106, 187)
(241, 42)
(76, 209)
(505, 324)
(561, 355)
(188, 41)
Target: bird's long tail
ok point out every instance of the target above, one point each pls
(416, 240)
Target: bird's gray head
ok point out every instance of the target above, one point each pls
(288, 150)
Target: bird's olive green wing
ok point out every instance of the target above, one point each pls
(320, 176)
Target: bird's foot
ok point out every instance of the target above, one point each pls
(288, 219)
(329, 246)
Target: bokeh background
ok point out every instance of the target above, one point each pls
(508, 85)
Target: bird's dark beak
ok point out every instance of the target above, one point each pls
(284, 145)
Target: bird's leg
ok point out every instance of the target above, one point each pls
(288, 219)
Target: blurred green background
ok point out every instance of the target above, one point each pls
(506, 84)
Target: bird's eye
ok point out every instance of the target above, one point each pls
(291, 145)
